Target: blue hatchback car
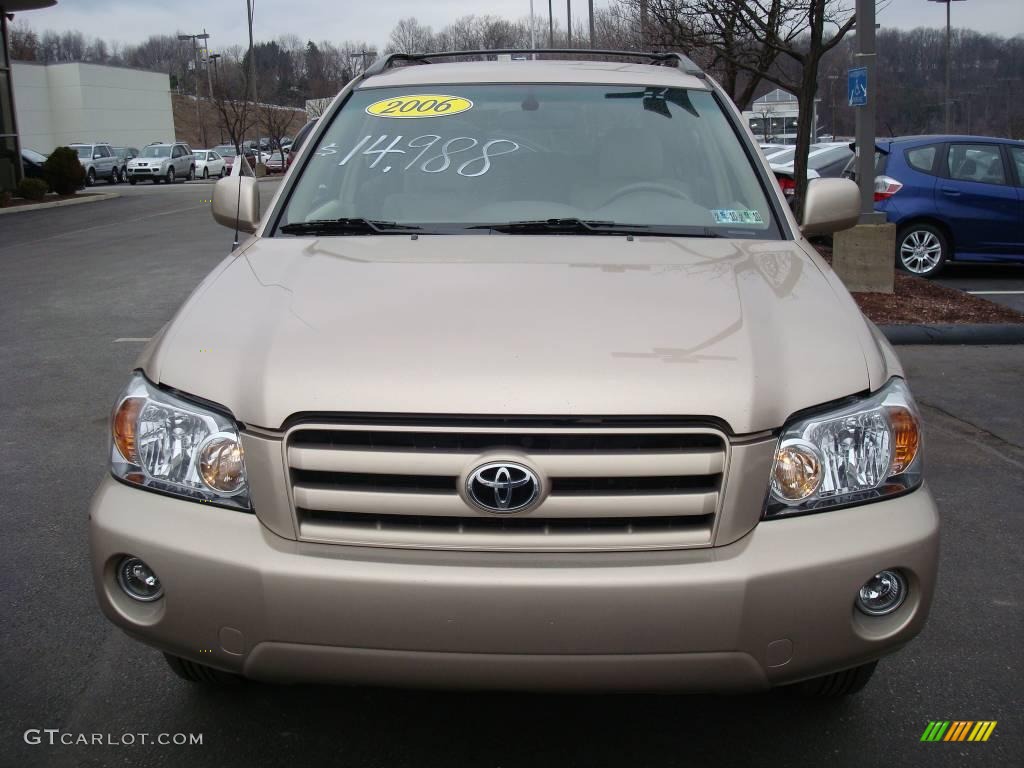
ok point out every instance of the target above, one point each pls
(952, 198)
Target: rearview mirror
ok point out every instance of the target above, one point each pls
(236, 202)
(831, 205)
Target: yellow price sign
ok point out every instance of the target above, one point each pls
(420, 105)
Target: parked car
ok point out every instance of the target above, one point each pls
(209, 163)
(824, 160)
(32, 164)
(952, 198)
(296, 145)
(228, 152)
(550, 392)
(124, 154)
(276, 162)
(163, 162)
(99, 162)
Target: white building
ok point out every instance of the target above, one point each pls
(59, 104)
(773, 117)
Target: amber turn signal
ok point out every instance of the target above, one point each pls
(906, 438)
(125, 428)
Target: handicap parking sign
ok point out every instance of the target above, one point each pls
(857, 86)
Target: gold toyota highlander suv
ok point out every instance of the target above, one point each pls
(527, 378)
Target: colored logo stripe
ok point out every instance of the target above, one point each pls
(958, 730)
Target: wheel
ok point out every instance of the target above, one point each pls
(922, 249)
(206, 173)
(170, 175)
(191, 173)
(115, 176)
(200, 673)
(845, 683)
(90, 178)
(132, 181)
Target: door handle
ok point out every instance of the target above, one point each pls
(951, 191)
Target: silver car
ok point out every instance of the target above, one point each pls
(99, 161)
(527, 378)
(163, 162)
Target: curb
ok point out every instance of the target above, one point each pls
(966, 334)
(86, 197)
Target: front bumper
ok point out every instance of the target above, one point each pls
(772, 608)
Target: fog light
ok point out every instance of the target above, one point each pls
(883, 593)
(138, 580)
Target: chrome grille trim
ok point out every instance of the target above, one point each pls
(403, 486)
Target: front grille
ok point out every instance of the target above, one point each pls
(605, 487)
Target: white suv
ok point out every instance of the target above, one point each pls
(163, 162)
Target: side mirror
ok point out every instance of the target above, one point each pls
(831, 205)
(237, 199)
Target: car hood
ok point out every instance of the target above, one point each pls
(148, 161)
(743, 331)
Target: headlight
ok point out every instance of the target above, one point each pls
(168, 444)
(856, 453)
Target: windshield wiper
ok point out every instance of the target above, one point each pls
(347, 227)
(591, 226)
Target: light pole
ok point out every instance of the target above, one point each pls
(551, 27)
(195, 59)
(533, 37)
(590, 10)
(948, 38)
(832, 97)
(568, 28)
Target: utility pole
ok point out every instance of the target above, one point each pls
(533, 37)
(551, 27)
(195, 63)
(568, 33)
(949, 36)
(832, 98)
(865, 116)
(591, 12)
(252, 69)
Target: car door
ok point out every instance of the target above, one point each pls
(1016, 156)
(177, 155)
(977, 200)
(217, 164)
(103, 161)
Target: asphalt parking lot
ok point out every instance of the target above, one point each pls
(82, 285)
(1001, 283)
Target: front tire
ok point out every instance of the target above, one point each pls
(90, 178)
(115, 177)
(170, 175)
(200, 673)
(132, 181)
(836, 685)
(922, 249)
(191, 173)
(206, 173)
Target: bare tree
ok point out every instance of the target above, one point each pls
(231, 99)
(409, 36)
(781, 41)
(279, 122)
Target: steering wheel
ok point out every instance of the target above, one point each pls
(651, 186)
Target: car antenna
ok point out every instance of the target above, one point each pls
(238, 197)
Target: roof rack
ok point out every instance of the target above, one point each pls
(666, 58)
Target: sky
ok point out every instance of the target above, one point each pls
(372, 20)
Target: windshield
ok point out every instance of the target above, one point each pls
(84, 152)
(226, 151)
(200, 154)
(658, 158)
(156, 152)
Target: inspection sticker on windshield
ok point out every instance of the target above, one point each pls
(730, 216)
(419, 105)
